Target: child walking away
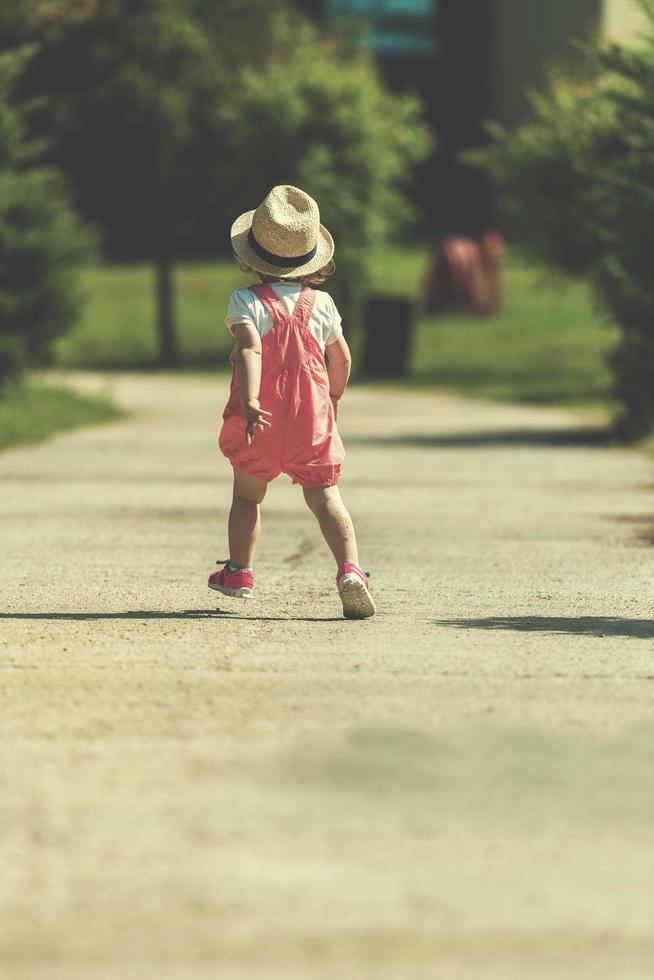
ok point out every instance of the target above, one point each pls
(283, 404)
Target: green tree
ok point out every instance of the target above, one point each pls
(41, 240)
(317, 115)
(579, 183)
(118, 84)
(170, 115)
(128, 91)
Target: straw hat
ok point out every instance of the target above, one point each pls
(283, 237)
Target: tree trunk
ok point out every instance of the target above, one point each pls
(165, 310)
(162, 163)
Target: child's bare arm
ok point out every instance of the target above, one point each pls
(339, 363)
(248, 371)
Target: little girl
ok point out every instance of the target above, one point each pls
(283, 404)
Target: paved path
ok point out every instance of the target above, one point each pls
(459, 788)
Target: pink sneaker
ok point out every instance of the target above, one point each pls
(354, 590)
(238, 584)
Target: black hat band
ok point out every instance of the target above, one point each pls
(281, 260)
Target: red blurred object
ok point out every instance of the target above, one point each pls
(465, 275)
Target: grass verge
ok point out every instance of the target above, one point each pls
(32, 412)
(547, 346)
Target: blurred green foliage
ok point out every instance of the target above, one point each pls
(120, 87)
(320, 118)
(579, 183)
(223, 100)
(34, 411)
(41, 240)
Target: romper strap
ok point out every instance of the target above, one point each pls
(271, 301)
(304, 306)
(301, 311)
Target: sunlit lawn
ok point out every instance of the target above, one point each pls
(33, 411)
(548, 344)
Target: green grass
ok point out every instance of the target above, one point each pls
(118, 328)
(32, 412)
(548, 345)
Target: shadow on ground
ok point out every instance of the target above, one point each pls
(643, 525)
(590, 436)
(142, 614)
(575, 625)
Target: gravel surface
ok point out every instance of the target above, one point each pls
(461, 787)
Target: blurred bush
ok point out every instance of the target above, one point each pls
(120, 88)
(317, 115)
(41, 240)
(578, 182)
(220, 102)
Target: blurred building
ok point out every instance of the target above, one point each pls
(471, 60)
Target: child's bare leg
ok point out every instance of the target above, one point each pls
(335, 523)
(245, 518)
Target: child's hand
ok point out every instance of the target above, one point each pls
(255, 419)
(335, 402)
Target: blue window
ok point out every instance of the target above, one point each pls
(389, 27)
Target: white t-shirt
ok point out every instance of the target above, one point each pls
(324, 322)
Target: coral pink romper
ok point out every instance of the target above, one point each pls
(302, 440)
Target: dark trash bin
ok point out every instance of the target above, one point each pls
(388, 326)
